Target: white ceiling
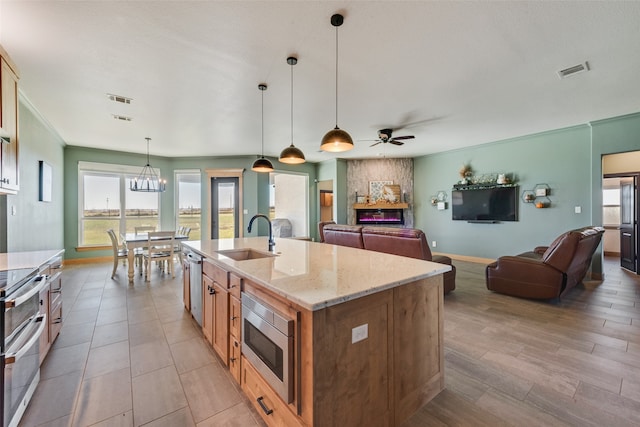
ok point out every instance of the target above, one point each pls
(456, 73)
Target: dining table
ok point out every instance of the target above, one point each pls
(140, 240)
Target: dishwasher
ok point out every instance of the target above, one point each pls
(195, 285)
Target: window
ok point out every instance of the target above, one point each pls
(611, 203)
(189, 210)
(105, 201)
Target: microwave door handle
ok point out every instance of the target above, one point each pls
(14, 357)
(22, 298)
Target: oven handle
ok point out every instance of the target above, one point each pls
(14, 357)
(22, 298)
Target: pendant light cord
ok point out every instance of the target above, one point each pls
(336, 77)
(292, 63)
(148, 139)
(262, 128)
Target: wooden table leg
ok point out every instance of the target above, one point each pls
(130, 261)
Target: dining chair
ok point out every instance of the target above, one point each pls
(160, 248)
(118, 251)
(138, 252)
(144, 229)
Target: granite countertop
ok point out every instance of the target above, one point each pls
(30, 259)
(317, 275)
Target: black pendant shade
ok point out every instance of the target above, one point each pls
(292, 155)
(262, 164)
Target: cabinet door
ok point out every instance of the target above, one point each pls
(207, 307)
(235, 318)
(234, 359)
(186, 284)
(9, 123)
(221, 322)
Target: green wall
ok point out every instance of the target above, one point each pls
(561, 159)
(36, 225)
(255, 189)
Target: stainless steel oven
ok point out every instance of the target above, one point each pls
(22, 326)
(267, 342)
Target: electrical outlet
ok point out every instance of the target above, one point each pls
(359, 333)
(578, 209)
(433, 244)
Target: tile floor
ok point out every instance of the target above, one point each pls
(131, 356)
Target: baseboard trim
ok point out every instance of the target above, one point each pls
(92, 260)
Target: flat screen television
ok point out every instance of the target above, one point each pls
(485, 204)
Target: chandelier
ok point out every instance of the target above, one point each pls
(148, 180)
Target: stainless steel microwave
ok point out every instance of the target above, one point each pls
(267, 342)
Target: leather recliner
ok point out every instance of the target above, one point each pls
(547, 272)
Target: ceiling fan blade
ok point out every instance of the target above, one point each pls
(373, 145)
(394, 142)
(404, 137)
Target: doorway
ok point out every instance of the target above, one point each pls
(620, 218)
(325, 194)
(225, 195)
(289, 199)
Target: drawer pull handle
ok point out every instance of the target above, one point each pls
(232, 318)
(57, 320)
(263, 406)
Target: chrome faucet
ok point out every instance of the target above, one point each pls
(272, 242)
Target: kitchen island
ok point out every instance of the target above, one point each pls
(366, 328)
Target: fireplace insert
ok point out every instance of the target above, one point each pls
(380, 216)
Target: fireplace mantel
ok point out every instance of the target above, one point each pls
(381, 206)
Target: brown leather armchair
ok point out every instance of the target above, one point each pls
(548, 271)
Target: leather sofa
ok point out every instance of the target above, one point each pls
(547, 272)
(409, 242)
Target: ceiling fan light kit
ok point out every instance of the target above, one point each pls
(292, 155)
(262, 164)
(336, 140)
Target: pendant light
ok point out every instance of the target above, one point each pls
(262, 164)
(292, 155)
(336, 139)
(148, 181)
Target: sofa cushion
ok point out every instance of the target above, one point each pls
(343, 235)
(409, 242)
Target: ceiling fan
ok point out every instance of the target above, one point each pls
(385, 135)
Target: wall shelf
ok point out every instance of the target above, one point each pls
(538, 196)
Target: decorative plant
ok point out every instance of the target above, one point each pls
(465, 173)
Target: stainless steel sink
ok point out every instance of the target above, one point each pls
(245, 254)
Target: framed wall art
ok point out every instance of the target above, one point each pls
(376, 189)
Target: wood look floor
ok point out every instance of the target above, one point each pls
(130, 356)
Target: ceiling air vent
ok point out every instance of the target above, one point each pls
(119, 98)
(580, 68)
(123, 118)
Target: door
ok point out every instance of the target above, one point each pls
(628, 229)
(224, 207)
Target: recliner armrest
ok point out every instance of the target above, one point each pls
(540, 249)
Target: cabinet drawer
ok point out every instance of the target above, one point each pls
(235, 285)
(218, 274)
(273, 411)
(55, 323)
(235, 318)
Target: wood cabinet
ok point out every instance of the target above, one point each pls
(215, 308)
(271, 408)
(9, 123)
(51, 304)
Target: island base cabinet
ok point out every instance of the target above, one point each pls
(271, 408)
